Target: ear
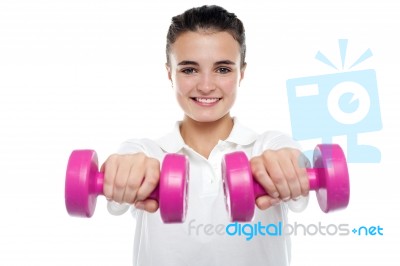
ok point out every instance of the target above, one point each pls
(242, 70)
(168, 68)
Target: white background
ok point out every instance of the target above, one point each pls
(90, 74)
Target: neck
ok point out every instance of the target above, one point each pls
(204, 136)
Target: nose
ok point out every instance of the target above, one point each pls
(206, 83)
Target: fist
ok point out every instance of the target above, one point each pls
(131, 178)
(282, 173)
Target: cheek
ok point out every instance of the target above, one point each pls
(229, 86)
(180, 91)
(183, 86)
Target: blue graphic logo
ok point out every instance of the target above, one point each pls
(344, 103)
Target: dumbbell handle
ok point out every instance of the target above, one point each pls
(84, 182)
(328, 177)
(99, 184)
(312, 178)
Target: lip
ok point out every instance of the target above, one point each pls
(206, 101)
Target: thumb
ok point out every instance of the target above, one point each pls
(148, 205)
(265, 202)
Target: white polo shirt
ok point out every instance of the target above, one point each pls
(207, 237)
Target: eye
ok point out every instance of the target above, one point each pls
(188, 71)
(223, 70)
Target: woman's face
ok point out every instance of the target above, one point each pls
(205, 72)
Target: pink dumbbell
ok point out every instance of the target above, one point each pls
(329, 178)
(84, 183)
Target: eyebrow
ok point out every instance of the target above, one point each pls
(222, 62)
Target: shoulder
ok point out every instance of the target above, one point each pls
(271, 139)
(274, 140)
(171, 142)
(147, 146)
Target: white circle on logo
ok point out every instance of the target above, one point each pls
(359, 93)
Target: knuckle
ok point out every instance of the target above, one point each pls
(283, 150)
(112, 158)
(297, 156)
(278, 178)
(295, 194)
(119, 183)
(291, 179)
(139, 157)
(125, 159)
(305, 182)
(108, 182)
(132, 186)
(296, 152)
(118, 159)
(305, 187)
(268, 154)
(118, 200)
(285, 196)
(259, 173)
(274, 172)
(107, 193)
(255, 163)
(152, 163)
(152, 180)
(291, 152)
(291, 175)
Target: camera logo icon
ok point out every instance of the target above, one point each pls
(344, 103)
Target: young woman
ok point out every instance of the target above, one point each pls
(205, 64)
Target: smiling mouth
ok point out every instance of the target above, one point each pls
(205, 100)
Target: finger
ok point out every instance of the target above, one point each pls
(110, 170)
(148, 205)
(260, 174)
(277, 176)
(151, 179)
(121, 179)
(135, 178)
(301, 166)
(289, 171)
(265, 202)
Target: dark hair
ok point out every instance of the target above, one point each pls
(208, 18)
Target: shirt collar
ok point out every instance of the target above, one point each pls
(241, 135)
(173, 141)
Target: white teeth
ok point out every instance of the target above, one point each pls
(207, 100)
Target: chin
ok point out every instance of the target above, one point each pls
(208, 119)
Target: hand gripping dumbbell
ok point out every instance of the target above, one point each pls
(329, 178)
(84, 183)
